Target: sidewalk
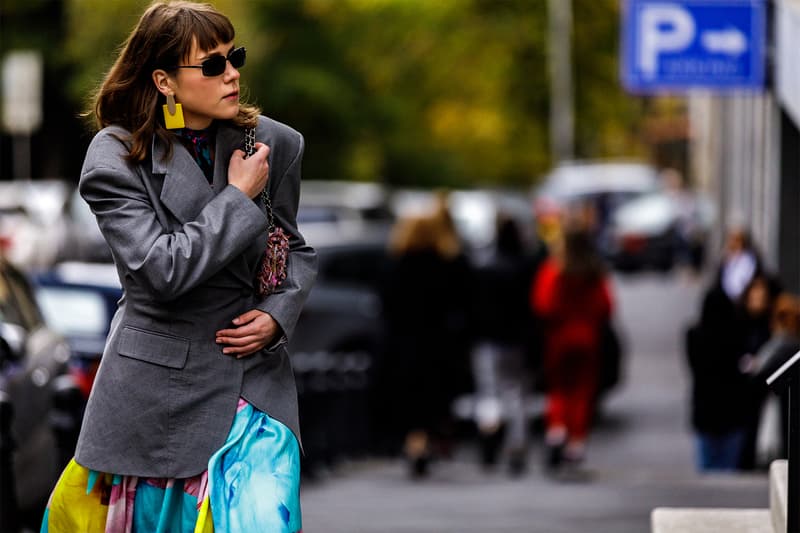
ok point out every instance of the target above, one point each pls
(641, 456)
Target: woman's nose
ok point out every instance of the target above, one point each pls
(231, 72)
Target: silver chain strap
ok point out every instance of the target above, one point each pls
(250, 149)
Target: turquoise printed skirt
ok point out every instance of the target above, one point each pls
(252, 485)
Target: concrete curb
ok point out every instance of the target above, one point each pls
(687, 520)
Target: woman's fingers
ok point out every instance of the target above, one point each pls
(239, 341)
(247, 352)
(254, 330)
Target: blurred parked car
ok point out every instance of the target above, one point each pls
(343, 206)
(83, 240)
(660, 230)
(38, 420)
(474, 213)
(335, 344)
(33, 221)
(78, 300)
(601, 187)
(606, 182)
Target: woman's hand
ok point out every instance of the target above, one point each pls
(254, 330)
(249, 175)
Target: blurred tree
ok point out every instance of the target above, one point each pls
(608, 119)
(412, 92)
(409, 92)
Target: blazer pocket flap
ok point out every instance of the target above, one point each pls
(152, 347)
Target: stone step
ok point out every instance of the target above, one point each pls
(689, 520)
(778, 492)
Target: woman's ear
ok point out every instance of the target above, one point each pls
(163, 82)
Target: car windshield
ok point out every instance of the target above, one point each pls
(17, 305)
(73, 312)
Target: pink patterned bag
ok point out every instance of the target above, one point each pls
(272, 271)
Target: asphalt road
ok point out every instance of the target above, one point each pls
(640, 456)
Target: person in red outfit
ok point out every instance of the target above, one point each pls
(571, 295)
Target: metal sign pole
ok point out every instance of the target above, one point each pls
(21, 82)
(22, 157)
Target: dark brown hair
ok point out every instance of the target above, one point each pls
(161, 39)
(581, 258)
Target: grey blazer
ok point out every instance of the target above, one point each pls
(187, 254)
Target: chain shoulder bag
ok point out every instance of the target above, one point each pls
(272, 270)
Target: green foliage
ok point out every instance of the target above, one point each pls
(41, 15)
(411, 92)
(607, 118)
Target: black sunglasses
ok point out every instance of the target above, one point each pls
(215, 65)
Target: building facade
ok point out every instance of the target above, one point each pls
(745, 152)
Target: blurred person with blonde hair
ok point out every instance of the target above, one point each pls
(424, 300)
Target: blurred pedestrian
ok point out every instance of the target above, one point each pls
(784, 342)
(717, 353)
(195, 388)
(687, 224)
(502, 321)
(425, 295)
(571, 294)
(756, 304)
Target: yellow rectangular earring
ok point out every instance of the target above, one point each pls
(173, 114)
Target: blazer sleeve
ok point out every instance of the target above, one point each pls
(285, 304)
(165, 263)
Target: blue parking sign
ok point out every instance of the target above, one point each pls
(685, 44)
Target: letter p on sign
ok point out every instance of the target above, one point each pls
(665, 28)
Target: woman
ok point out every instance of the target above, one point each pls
(192, 421)
(571, 295)
(425, 300)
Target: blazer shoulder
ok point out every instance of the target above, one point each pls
(109, 148)
(270, 128)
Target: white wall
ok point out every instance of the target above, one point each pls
(735, 160)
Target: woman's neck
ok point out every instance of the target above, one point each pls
(208, 128)
(199, 125)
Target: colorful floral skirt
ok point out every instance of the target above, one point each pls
(252, 485)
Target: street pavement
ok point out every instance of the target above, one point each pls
(640, 456)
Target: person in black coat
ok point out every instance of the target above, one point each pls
(502, 320)
(756, 307)
(718, 350)
(425, 301)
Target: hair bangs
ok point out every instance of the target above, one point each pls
(206, 27)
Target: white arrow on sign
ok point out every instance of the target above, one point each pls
(729, 41)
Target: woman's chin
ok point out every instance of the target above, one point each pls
(230, 112)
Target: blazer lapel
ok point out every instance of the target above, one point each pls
(186, 190)
(230, 138)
